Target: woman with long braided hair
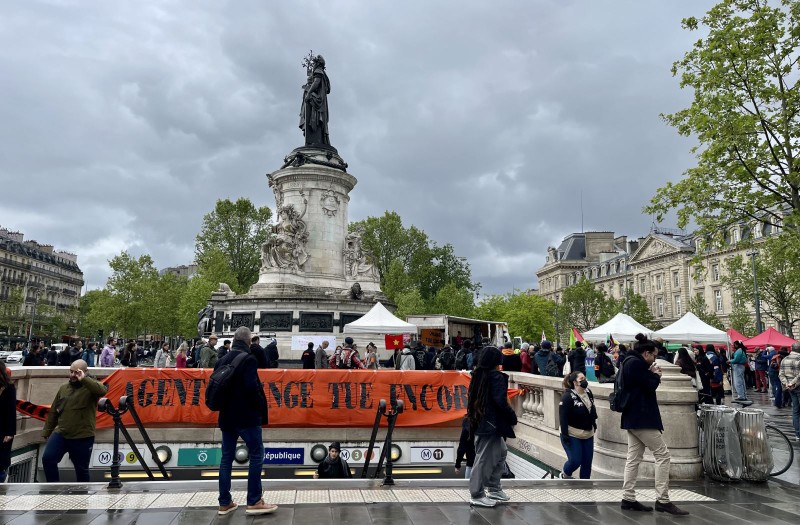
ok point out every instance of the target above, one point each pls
(491, 419)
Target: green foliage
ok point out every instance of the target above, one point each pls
(237, 229)
(210, 273)
(12, 319)
(697, 305)
(527, 315)
(636, 307)
(94, 312)
(745, 117)
(583, 306)
(778, 274)
(131, 283)
(420, 276)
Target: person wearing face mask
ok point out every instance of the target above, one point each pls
(642, 421)
(578, 417)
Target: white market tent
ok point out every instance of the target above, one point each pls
(379, 320)
(622, 327)
(690, 329)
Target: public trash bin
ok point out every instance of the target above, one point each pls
(757, 461)
(721, 452)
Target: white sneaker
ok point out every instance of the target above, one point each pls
(497, 495)
(564, 476)
(482, 502)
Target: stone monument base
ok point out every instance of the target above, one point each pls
(287, 310)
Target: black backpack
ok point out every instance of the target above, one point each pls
(618, 399)
(604, 365)
(461, 360)
(551, 368)
(220, 381)
(446, 360)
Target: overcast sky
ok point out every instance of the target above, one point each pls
(480, 122)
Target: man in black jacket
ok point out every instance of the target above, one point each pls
(308, 358)
(242, 414)
(492, 419)
(642, 420)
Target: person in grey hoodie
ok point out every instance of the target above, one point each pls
(407, 359)
(321, 356)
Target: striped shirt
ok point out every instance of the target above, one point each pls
(790, 370)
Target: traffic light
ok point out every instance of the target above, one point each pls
(100, 334)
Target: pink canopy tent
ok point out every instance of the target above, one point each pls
(770, 337)
(736, 336)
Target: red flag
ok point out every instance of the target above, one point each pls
(394, 341)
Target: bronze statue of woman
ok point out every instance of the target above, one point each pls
(314, 111)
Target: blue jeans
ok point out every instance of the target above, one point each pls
(80, 452)
(795, 394)
(777, 389)
(738, 382)
(579, 454)
(252, 439)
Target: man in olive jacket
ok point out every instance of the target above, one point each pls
(70, 424)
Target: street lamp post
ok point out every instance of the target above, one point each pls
(756, 299)
(558, 331)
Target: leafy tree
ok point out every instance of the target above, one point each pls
(212, 271)
(527, 315)
(11, 313)
(636, 307)
(582, 306)
(163, 302)
(94, 313)
(237, 229)
(420, 276)
(131, 283)
(697, 305)
(778, 274)
(744, 115)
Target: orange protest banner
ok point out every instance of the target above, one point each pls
(296, 398)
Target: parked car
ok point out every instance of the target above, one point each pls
(14, 358)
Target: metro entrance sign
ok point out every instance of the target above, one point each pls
(199, 457)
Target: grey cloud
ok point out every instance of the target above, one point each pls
(478, 122)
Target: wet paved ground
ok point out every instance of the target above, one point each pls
(431, 502)
(434, 502)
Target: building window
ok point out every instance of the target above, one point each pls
(660, 306)
(736, 235)
(678, 311)
(641, 285)
(715, 272)
(676, 280)
(757, 230)
(659, 283)
(718, 300)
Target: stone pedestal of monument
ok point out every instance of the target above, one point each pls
(315, 276)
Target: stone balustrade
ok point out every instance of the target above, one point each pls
(538, 429)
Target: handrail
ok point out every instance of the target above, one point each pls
(105, 405)
(368, 456)
(387, 444)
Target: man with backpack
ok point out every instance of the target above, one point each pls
(347, 357)
(446, 359)
(604, 368)
(547, 361)
(464, 356)
(242, 407)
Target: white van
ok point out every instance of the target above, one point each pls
(60, 347)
